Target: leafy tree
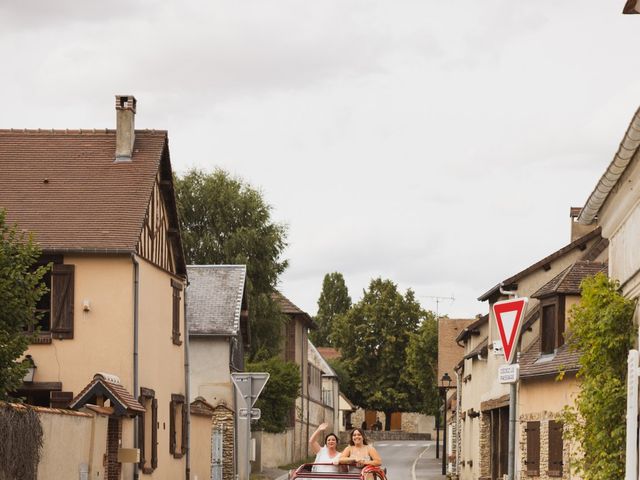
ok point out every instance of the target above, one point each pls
(21, 287)
(334, 300)
(422, 364)
(279, 394)
(373, 337)
(226, 221)
(602, 330)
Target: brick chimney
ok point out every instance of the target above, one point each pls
(125, 127)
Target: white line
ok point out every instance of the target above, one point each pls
(382, 445)
(413, 467)
(397, 444)
(412, 445)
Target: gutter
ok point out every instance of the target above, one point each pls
(136, 389)
(623, 157)
(187, 384)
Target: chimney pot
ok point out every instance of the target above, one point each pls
(125, 127)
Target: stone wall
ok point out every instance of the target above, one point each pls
(223, 419)
(543, 418)
(485, 446)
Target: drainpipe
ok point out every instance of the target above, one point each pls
(187, 385)
(136, 307)
(458, 436)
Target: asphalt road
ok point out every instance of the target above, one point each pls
(410, 460)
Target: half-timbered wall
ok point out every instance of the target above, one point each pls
(155, 242)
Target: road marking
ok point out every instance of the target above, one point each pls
(382, 444)
(412, 445)
(397, 445)
(413, 467)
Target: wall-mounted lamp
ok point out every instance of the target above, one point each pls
(31, 369)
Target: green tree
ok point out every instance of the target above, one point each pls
(226, 221)
(21, 287)
(334, 300)
(279, 394)
(373, 337)
(602, 330)
(422, 365)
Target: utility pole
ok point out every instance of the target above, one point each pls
(438, 300)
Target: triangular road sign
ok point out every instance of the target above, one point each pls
(509, 315)
(250, 385)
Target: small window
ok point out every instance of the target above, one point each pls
(148, 431)
(177, 426)
(552, 326)
(175, 329)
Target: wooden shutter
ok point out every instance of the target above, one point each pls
(533, 448)
(172, 427)
(183, 440)
(290, 352)
(154, 433)
(548, 333)
(62, 287)
(555, 448)
(60, 399)
(175, 321)
(141, 426)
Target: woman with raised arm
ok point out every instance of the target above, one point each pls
(359, 453)
(327, 453)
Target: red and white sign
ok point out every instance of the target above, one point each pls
(509, 315)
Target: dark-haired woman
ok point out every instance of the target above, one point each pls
(326, 454)
(359, 453)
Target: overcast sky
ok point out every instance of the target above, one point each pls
(439, 144)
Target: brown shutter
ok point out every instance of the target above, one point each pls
(555, 448)
(60, 399)
(141, 426)
(175, 320)
(183, 440)
(154, 433)
(290, 353)
(172, 427)
(62, 287)
(548, 333)
(533, 448)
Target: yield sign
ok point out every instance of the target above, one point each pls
(509, 315)
(250, 385)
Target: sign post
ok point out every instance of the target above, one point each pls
(509, 315)
(248, 385)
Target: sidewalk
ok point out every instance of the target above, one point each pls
(270, 474)
(428, 469)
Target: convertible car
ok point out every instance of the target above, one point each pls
(306, 471)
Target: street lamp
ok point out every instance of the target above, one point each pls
(445, 385)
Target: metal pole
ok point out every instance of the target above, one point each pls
(438, 429)
(512, 431)
(444, 432)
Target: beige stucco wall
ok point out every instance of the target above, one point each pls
(161, 363)
(200, 447)
(103, 336)
(275, 449)
(209, 370)
(546, 394)
(70, 441)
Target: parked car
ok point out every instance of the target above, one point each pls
(306, 471)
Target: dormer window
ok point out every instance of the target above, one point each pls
(552, 326)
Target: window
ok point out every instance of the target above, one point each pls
(555, 449)
(175, 333)
(148, 431)
(552, 333)
(177, 426)
(532, 463)
(55, 308)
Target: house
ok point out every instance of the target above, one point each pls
(101, 205)
(449, 355)
(484, 401)
(296, 347)
(324, 400)
(217, 319)
(548, 374)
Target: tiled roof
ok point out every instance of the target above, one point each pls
(328, 353)
(215, 298)
(65, 187)
(481, 349)
(289, 308)
(532, 364)
(201, 407)
(578, 243)
(318, 360)
(108, 386)
(53, 411)
(568, 281)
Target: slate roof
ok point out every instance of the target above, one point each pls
(568, 281)
(289, 308)
(215, 295)
(109, 386)
(578, 243)
(64, 186)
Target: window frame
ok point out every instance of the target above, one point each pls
(146, 395)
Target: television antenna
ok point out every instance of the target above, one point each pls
(438, 300)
